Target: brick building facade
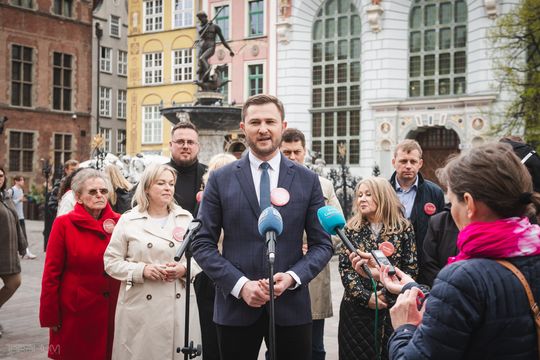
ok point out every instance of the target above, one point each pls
(45, 84)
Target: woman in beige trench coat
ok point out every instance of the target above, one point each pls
(150, 317)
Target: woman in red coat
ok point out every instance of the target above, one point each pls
(78, 299)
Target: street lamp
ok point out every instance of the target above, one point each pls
(99, 35)
(46, 171)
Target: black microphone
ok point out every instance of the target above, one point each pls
(332, 221)
(192, 230)
(270, 226)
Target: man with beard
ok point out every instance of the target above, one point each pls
(185, 147)
(233, 200)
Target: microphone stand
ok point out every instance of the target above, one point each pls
(272, 322)
(189, 350)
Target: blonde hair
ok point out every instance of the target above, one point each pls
(148, 178)
(216, 162)
(389, 209)
(118, 181)
(407, 146)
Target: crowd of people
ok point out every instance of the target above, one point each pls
(111, 289)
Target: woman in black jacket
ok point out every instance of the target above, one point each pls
(122, 194)
(477, 308)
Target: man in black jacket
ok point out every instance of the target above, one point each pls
(420, 198)
(185, 147)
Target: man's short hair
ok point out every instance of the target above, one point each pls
(184, 125)
(263, 99)
(18, 177)
(70, 163)
(407, 146)
(293, 135)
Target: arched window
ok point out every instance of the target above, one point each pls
(336, 81)
(437, 48)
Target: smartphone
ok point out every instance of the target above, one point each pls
(383, 260)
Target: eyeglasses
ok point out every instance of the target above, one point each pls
(94, 192)
(189, 143)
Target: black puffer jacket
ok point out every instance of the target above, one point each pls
(427, 192)
(477, 310)
(439, 244)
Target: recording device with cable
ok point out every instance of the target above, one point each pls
(381, 260)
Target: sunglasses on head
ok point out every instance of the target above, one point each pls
(94, 192)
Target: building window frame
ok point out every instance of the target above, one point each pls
(437, 59)
(115, 26)
(21, 148)
(120, 141)
(152, 68)
(152, 15)
(63, 147)
(105, 100)
(182, 65)
(255, 15)
(258, 79)
(105, 60)
(223, 19)
(182, 13)
(62, 86)
(63, 8)
(336, 78)
(22, 65)
(106, 135)
(27, 4)
(121, 109)
(122, 63)
(152, 125)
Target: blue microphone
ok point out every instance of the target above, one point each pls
(270, 226)
(332, 221)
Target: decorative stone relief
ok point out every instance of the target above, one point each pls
(477, 124)
(255, 50)
(385, 127)
(134, 49)
(431, 119)
(285, 8)
(220, 54)
(374, 13)
(283, 30)
(491, 8)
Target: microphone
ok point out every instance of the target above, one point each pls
(332, 221)
(192, 230)
(270, 226)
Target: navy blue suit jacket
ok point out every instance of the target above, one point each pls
(230, 202)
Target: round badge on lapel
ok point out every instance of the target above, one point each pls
(387, 248)
(178, 233)
(430, 208)
(198, 197)
(279, 197)
(108, 226)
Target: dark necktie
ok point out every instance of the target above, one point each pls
(264, 186)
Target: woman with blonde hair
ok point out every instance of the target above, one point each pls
(378, 223)
(150, 311)
(121, 195)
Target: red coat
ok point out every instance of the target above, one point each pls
(76, 292)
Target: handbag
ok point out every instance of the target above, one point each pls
(533, 304)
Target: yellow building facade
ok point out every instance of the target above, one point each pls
(161, 69)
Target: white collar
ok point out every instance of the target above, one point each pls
(274, 162)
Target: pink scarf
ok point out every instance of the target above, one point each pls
(504, 238)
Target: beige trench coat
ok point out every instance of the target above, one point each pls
(319, 287)
(149, 321)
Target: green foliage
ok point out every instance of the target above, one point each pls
(516, 40)
(36, 195)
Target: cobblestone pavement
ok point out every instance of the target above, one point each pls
(24, 339)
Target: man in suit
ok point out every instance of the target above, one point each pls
(233, 200)
(293, 146)
(185, 147)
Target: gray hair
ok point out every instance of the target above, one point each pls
(149, 177)
(77, 184)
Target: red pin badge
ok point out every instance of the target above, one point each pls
(430, 208)
(387, 248)
(178, 233)
(198, 197)
(108, 226)
(279, 197)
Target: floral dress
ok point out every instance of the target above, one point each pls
(356, 321)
